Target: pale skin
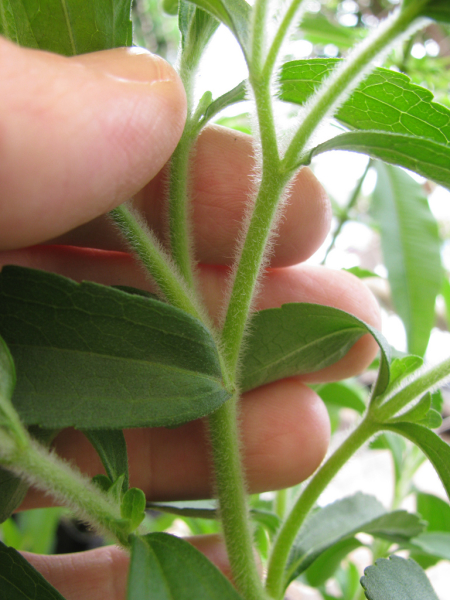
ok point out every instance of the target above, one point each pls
(80, 136)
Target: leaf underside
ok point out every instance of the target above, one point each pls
(397, 579)
(302, 338)
(96, 357)
(164, 567)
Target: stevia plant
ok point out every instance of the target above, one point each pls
(174, 365)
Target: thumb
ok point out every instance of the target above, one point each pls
(79, 136)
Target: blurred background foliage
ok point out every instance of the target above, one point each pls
(390, 228)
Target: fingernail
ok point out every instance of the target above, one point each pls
(133, 65)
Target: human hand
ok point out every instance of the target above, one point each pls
(78, 137)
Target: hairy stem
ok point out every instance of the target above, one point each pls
(51, 474)
(155, 260)
(231, 491)
(279, 38)
(346, 76)
(276, 576)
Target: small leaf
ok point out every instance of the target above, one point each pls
(143, 362)
(164, 567)
(432, 420)
(68, 27)
(20, 581)
(326, 565)
(302, 338)
(436, 450)
(435, 511)
(235, 14)
(411, 249)
(361, 273)
(342, 520)
(397, 579)
(112, 450)
(402, 367)
(426, 157)
(103, 482)
(234, 96)
(343, 395)
(133, 507)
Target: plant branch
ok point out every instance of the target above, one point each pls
(346, 76)
(279, 38)
(50, 473)
(155, 260)
(231, 491)
(276, 576)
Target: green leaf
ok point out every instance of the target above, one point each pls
(12, 492)
(343, 395)
(342, 520)
(435, 449)
(361, 273)
(20, 581)
(164, 567)
(435, 511)
(432, 420)
(326, 565)
(397, 579)
(144, 362)
(196, 27)
(434, 543)
(402, 367)
(411, 250)
(207, 509)
(67, 27)
(133, 507)
(235, 14)
(317, 29)
(439, 10)
(112, 450)
(426, 157)
(385, 101)
(302, 338)
(234, 96)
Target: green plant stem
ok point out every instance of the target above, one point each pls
(383, 408)
(279, 38)
(276, 576)
(231, 491)
(259, 35)
(345, 77)
(48, 472)
(155, 260)
(281, 503)
(180, 222)
(345, 215)
(249, 266)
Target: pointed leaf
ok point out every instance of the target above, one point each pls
(68, 27)
(133, 507)
(237, 94)
(112, 450)
(302, 338)
(411, 249)
(235, 14)
(435, 449)
(342, 520)
(343, 395)
(20, 581)
(326, 565)
(435, 511)
(143, 362)
(385, 101)
(317, 29)
(426, 157)
(397, 579)
(164, 567)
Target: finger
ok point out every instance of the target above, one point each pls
(102, 573)
(222, 185)
(79, 136)
(304, 283)
(285, 434)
